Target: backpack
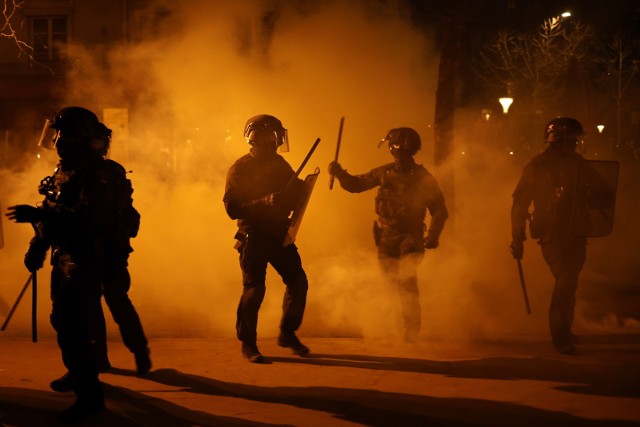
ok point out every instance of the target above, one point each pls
(128, 217)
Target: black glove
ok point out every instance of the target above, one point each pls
(24, 213)
(336, 170)
(34, 258)
(517, 249)
(289, 197)
(431, 242)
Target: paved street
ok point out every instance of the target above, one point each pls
(345, 382)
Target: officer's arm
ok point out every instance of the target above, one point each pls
(522, 197)
(358, 183)
(438, 211)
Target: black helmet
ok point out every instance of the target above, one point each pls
(563, 129)
(77, 130)
(403, 140)
(78, 122)
(269, 123)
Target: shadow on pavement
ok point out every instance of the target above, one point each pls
(25, 407)
(379, 408)
(604, 366)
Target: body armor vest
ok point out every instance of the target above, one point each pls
(401, 200)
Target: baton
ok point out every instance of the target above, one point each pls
(15, 305)
(306, 159)
(524, 288)
(337, 152)
(34, 306)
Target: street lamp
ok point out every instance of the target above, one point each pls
(506, 103)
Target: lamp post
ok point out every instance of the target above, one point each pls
(506, 102)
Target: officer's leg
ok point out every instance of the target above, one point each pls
(116, 289)
(287, 262)
(65, 382)
(409, 294)
(79, 296)
(98, 328)
(411, 255)
(253, 262)
(565, 260)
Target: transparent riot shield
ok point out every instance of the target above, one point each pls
(298, 212)
(595, 198)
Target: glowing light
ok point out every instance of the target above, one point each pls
(600, 128)
(506, 103)
(511, 153)
(565, 14)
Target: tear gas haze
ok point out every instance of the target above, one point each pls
(189, 91)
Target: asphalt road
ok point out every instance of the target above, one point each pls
(344, 382)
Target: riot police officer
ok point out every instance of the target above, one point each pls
(406, 191)
(549, 182)
(261, 192)
(86, 219)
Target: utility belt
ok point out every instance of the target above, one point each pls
(383, 227)
(65, 262)
(240, 237)
(401, 225)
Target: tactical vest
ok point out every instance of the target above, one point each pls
(65, 196)
(401, 199)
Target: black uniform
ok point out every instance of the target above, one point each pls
(404, 196)
(262, 229)
(116, 281)
(111, 272)
(83, 224)
(548, 181)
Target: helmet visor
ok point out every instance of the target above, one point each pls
(49, 136)
(283, 140)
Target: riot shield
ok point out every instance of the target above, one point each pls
(298, 212)
(595, 198)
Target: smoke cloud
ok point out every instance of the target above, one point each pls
(189, 90)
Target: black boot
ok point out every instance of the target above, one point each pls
(86, 405)
(143, 361)
(290, 340)
(251, 353)
(62, 384)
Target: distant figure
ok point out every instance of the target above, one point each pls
(549, 182)
(407, 190)
(261, 192)
(87, 220)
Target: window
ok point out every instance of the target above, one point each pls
(49, 37)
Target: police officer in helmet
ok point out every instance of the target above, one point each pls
(548, 182)
(406, 192)
(261, 192)
(86, 220)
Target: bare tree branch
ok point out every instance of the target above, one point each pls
(531, 64)
(9, 9)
